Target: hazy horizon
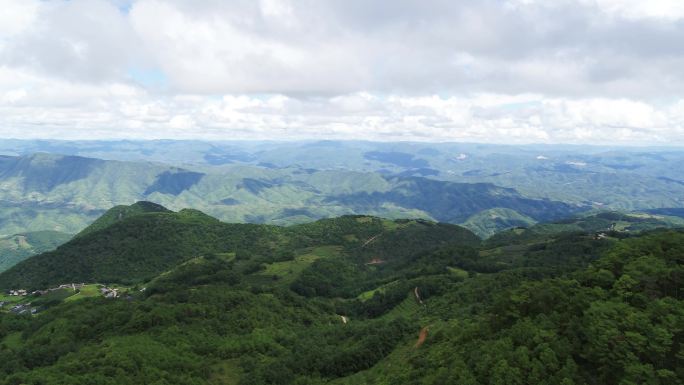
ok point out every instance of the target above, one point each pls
(598, 146)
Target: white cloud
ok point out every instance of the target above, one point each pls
(630, 9)
(639, 9)
(16, 16)
(58, 108)
(495, 71)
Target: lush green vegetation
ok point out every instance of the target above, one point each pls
(356, 300)
(16, 248)
(118, 213)
(619, 321)
(485, 188)
(66, 193)
(146, 242)
(138, 247)
(489, 222)
(614, 178)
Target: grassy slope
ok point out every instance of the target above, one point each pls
(16, 248)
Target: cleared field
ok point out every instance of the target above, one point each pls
(287, 271)
(389, 225)
(226, 256)
(225, 373)
(366, 295)
(458, 272)
(52, 298)
(86, 291)
(10, 298)
(13, 340)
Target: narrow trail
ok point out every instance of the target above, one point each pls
(421, 337)
(371, 239)
(417, 295)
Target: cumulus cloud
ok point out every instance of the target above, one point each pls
(580, 71)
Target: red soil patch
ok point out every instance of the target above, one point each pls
(421, 337)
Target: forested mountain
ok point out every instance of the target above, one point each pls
(132, 244)
(66, 193)
(623, 178)
(349, 300)
(484, 187)
(601, 224)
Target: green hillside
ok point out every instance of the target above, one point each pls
(139, 245)
(16, 248)
(489, 222)
(131, 244)
(608, 222)
(348, 300)
(119, 213)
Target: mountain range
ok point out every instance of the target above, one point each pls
(625, 178)
(150, 295)
(65, 193)
(60, 187)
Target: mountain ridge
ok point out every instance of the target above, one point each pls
(354, 299)
(70, 199)
(149, 239)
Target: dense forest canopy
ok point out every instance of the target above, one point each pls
(349, 300)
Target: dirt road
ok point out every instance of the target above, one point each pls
(417, 295)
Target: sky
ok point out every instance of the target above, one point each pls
(490, 71)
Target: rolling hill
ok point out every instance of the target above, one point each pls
(132, 244)
(66, 193)
(348, 300)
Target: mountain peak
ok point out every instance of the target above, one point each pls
(118, 213)
(147, 206)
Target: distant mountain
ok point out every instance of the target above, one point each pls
(626, 178)
(298, 182)
(609, 223)
(453, 202)
(675, 212)
(489, 222)
(66, 193)
(16, 248)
